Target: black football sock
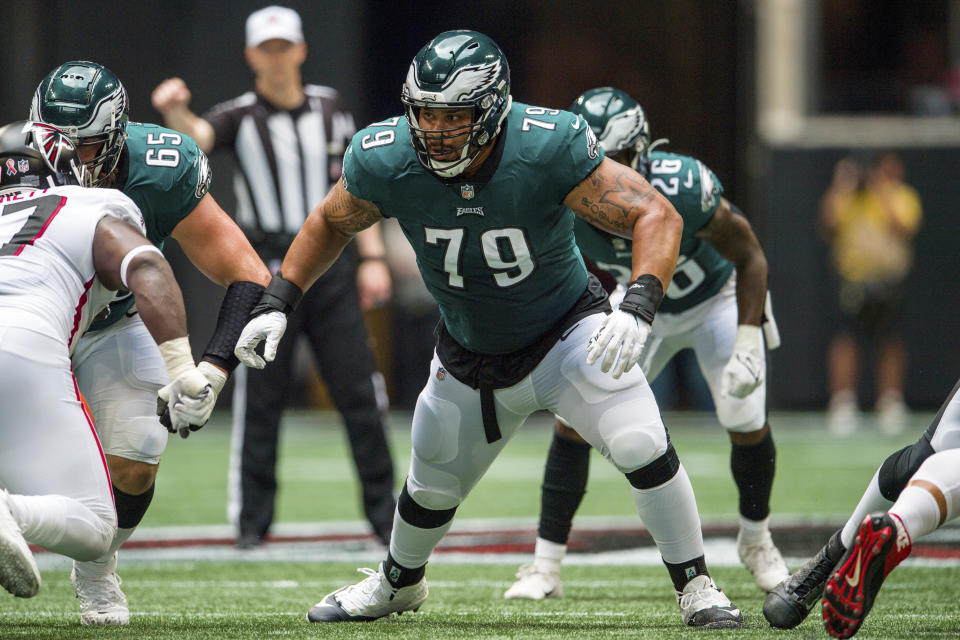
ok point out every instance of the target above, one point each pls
(753, 468)
(564, 485)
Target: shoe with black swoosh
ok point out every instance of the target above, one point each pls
(370, 599)
(788, 604)
(881, 544)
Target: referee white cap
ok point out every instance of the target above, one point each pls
(273, 22)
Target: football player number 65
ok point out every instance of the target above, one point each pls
(163, 157)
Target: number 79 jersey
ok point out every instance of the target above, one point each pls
(48, 280)
(695, 192)
(498, 255)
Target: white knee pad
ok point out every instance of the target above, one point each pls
(632, 434)
(742, 415)
(433, 489)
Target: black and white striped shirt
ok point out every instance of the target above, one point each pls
(287, 160)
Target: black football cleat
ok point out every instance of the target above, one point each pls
(788, 604)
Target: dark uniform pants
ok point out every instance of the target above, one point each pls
(330, 318)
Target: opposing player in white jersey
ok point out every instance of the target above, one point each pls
(64, 252)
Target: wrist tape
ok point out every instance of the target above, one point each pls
(177, 356)
(643, 297)
(280, 295)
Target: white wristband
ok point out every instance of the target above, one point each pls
(749, 337)
(133, 253)
(177, 356)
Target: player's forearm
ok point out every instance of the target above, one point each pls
(313, 251)
(186, 121)
(656, 242)
(158, 297)
(751, 286)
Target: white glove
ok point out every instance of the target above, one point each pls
(744, 371)
(189, 400)
(269, 326)
(621, 334)
(216, 376)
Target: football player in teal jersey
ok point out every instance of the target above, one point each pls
(117, 364)
(714, 305)
(486, 191)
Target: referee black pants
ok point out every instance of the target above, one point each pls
(329, 317)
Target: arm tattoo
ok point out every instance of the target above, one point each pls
(350, 215)
(613, 204)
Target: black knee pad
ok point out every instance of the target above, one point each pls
(899, 467)
(419, 516)
(657, 472)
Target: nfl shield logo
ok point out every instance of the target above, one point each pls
(441, 373)
(466, 191)
(23, 166)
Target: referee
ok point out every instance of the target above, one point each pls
(289, 141)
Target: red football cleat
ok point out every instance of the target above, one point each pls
(881, 544)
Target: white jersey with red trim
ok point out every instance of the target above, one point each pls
(48, 281)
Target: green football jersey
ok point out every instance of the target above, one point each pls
(695, 193)
(166, 174)
(499, 255)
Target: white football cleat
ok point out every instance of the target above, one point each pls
(102, 603)
(703, 605)
(536, 582)
(764, 561)
(371, 598)
(18, 568)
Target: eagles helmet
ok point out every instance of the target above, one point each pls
(34, 155)
(455, 70)
(87, 102)
(619, 122)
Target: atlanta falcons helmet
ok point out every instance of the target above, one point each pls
(34, 155)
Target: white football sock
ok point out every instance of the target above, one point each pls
(62, 525)
(871, 502)
(122, 536)
(411, 546)
(669, 512)
(753, 531)
(549, 555)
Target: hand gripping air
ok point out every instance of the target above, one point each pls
(621, 337)
(268, 321)
(744, 371)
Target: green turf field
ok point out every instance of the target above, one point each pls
(218, 601)
(819, 479)
(817, 476)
